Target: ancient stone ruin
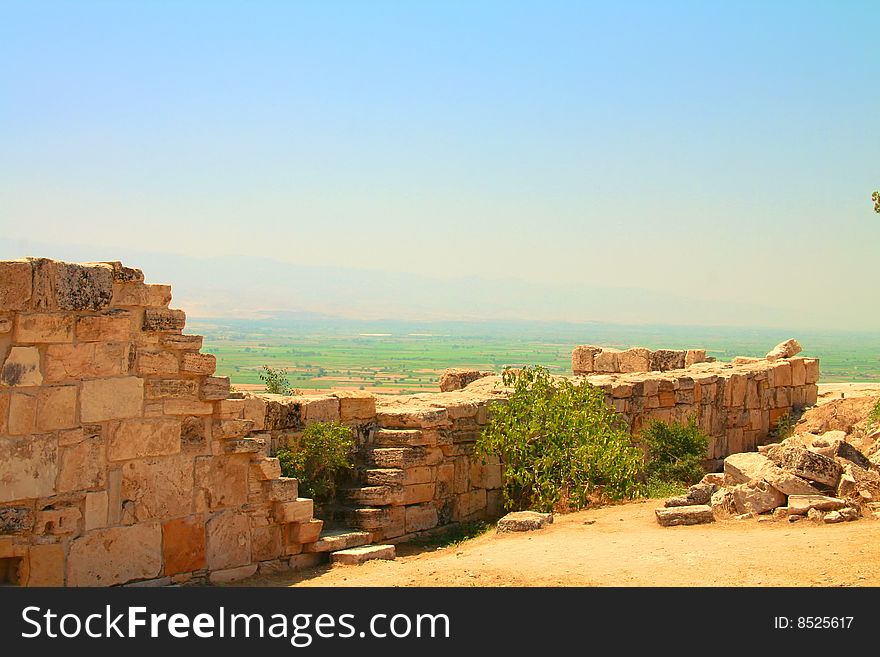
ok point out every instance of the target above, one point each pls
(124, 460)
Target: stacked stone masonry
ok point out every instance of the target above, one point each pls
(123, 459)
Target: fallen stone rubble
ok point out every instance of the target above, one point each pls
(823, 478)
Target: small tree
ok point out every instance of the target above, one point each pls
(324, 451)
(675, 452)
(559, 442)
(275, 380)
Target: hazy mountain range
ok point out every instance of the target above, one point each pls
(255, 287)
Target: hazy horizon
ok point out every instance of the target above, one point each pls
(680, 162)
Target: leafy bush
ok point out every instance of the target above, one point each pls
(784, 428)
(325, 450)
(656, 488)
(559, 442)
(874, 415)
(276, 381)
(675, 452)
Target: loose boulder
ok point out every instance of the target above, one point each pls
(696, 514)
(811, 466)
(757, 497)
(787, 349)
(803, 504)
(523, 521)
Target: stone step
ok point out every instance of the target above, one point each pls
(338, 539)
(358, 555)
(403, 438)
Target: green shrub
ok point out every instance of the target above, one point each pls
(560, 443)
(656, 488)
(675, 452)
(276, 381)
(784, 428)
(325, 450)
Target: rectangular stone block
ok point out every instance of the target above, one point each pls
(267, 468)
(71, 286)
(420, 517)
(22, 413)
(469, 504)
(158, 487)
(266, 543)
(171, 389)
(164, 320)
(283, 489)
(156, 364)
(56, 408)
(111, 399)
(184, 545)
(90, 359)
(96, 508)
(221, 481)
(16, 284)
(45, 565)
(417, 493)
(320, 409)
(304, 532)
(28, 467)
(186, 407)
(113, 327)
(140, 438)
(83, 466)
(195, 363)
(300, 510)
(811, 369)
(798, 371)
(355, 405)
(43, 328)
(582, 359)
(229, 541)
(115, 555)
(175, 341)
(215, 388)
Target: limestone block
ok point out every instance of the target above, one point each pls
(28, 467)
(22, 367)
(802, 504)
(266, 468)
(255, 411)
(159, 487)
(457, 378)
(742, 468)
(96, 508)
(299, 510)
(757, 497)
(140, 438)
(266, 543)
(335, 540)
(582, 359)
(70, 286)
(320, 409)
(372, 519)
(164, 320)
(606, 361)
(811, 466)
(635, 359)
(811, 367)
(684, 515)
(156, 364)
(45, 565)
(16, 520)
(215, 387)
(171, 389)
(419, 475)
(358, 555)
(283, 489)
(355, 405)
(667, 359)
(16, 284)
(43, 328)
(787, 349)
(221, 481)
(723, 503)
(469, 504)
(83, 466)
(523, 521)
(90, 359)
(798, 371)
(123, 274)
(115, 326)
(304, 532)
(781, 374)
(693, 356)
(62, 521)
(22, 413)
(184, 544)
(232, 574)
(115, 555)
(178, 341)
(411, 417)
(111, 399)
(195, 363)
(420, 517)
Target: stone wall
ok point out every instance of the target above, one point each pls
(589, 359)
(122, 458)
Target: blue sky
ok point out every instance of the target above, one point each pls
(725, 151)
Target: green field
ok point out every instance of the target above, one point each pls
(408, 356)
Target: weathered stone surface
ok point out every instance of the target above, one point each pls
(195, 363)
(115, 326)
(178, 341)
(140, 438)
(232, 574)
(458, 378)
(299, 510)
(87, 360)
(757, 497)
(61, 521)
(159, 487)
(684, 515)
(28, 467)
(813, 514)
(811, 466)
(723, 504)
(420, 517)
(338, 540)
(667, 359)
(304, 532)
(283, 489)
(46, 565)
(355, 405)
(171, 389)
(41, 328)
(83, 466)
(96, 510)
(228, 541)
(16, 520)
(523, 521)
(163, 320)
(744, 467)
(215, 387)
(849, 513)
(71, 286)
(16, 284)
(186, 407)
(636, 359)
(229, 429)
(183, 545)
(56, 408)
(696, 494)
(221, 482)
(359, 555)
(111, 399)
(22, 367)
(160, 363)
(582, 358)
(115, 555)
(801, 504)
(606, 361)
(411, 417)
(693, 356)
(787, 349)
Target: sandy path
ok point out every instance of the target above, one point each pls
(624, 546)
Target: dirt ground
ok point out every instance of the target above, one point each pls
(624, 546)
